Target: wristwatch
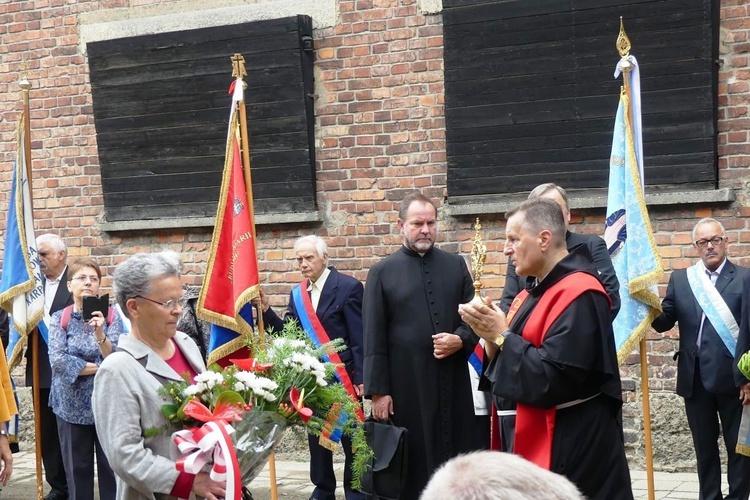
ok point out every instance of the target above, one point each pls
(3, 431)
(500, 340)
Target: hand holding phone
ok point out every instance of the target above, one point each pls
(93, 303)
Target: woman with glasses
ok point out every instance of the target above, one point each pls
(126, 400)
(76, 349)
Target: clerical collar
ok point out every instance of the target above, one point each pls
(409, 251)
(321, 282)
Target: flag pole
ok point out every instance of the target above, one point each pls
(25, 87)
(623, 47)
(238, 71)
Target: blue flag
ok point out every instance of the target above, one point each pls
(628, 232)
(21, 289)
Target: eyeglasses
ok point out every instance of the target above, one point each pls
(715, 241)
(82, 278)
(169, 305)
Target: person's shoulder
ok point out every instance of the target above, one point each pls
(740, 270)
(589, 239)
(679, 274)
(116, 360)
(345, 279)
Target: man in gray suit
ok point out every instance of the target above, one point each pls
(706, 301)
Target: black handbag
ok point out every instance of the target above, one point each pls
(385, 476)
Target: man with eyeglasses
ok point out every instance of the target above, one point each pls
(53, 255)
(706, 301)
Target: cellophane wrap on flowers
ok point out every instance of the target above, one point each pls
(286, 384)
(255, 438)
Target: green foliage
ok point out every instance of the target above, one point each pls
(288, 361)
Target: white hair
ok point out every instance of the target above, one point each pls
(319, 243)
(492, 475)
(52, 240)
(709, 220)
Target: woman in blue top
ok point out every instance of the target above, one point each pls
(76, 350)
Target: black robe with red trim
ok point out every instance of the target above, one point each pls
(576, 360)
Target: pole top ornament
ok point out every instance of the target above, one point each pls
(623, 42)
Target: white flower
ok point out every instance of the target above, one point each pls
(260, 386)
(239, 387)
(192, 390)
(208, 380)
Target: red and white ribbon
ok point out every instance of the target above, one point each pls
(199, 446)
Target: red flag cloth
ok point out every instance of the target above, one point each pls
(232, 279)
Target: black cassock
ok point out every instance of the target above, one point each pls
(577, 360)
(408, 299)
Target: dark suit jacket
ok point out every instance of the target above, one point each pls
(743, 339)
(719, 372)
(340, 313)
(598, 249)
(63, 299)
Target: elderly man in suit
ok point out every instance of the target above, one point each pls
(598, 249)
(706, 301)
(53, 255)
(336, 300)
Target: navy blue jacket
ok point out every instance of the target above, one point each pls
(340, 313)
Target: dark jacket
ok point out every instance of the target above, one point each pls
(719, 373)
(63, 298)
(598, 250)
(340, 314)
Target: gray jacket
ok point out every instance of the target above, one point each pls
(125, 404)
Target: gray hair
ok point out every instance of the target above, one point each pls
(316, 241)
(542, 214)
(492, 475)
(52, 240)
(543, 189)
(135, 275)
(708, 220)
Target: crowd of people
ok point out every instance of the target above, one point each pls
(549, 371)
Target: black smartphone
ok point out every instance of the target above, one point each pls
(92, 303)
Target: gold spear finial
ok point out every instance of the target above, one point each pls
(478, 256)
(623, 42)
(24, 83)
(238, 66)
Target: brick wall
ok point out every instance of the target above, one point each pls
(380, 133)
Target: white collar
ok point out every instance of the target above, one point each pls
(321, 282)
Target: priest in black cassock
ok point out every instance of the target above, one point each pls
(416, 347)
(554, 355)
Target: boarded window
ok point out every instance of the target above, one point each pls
(161, 112)
(531, 98)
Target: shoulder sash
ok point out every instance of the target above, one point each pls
(317, 334)
(713, 305)
(535, 426)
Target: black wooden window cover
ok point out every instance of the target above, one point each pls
(530, 94)
(161, 111)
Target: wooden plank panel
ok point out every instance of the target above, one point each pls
(160, 107)
(530, 94)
